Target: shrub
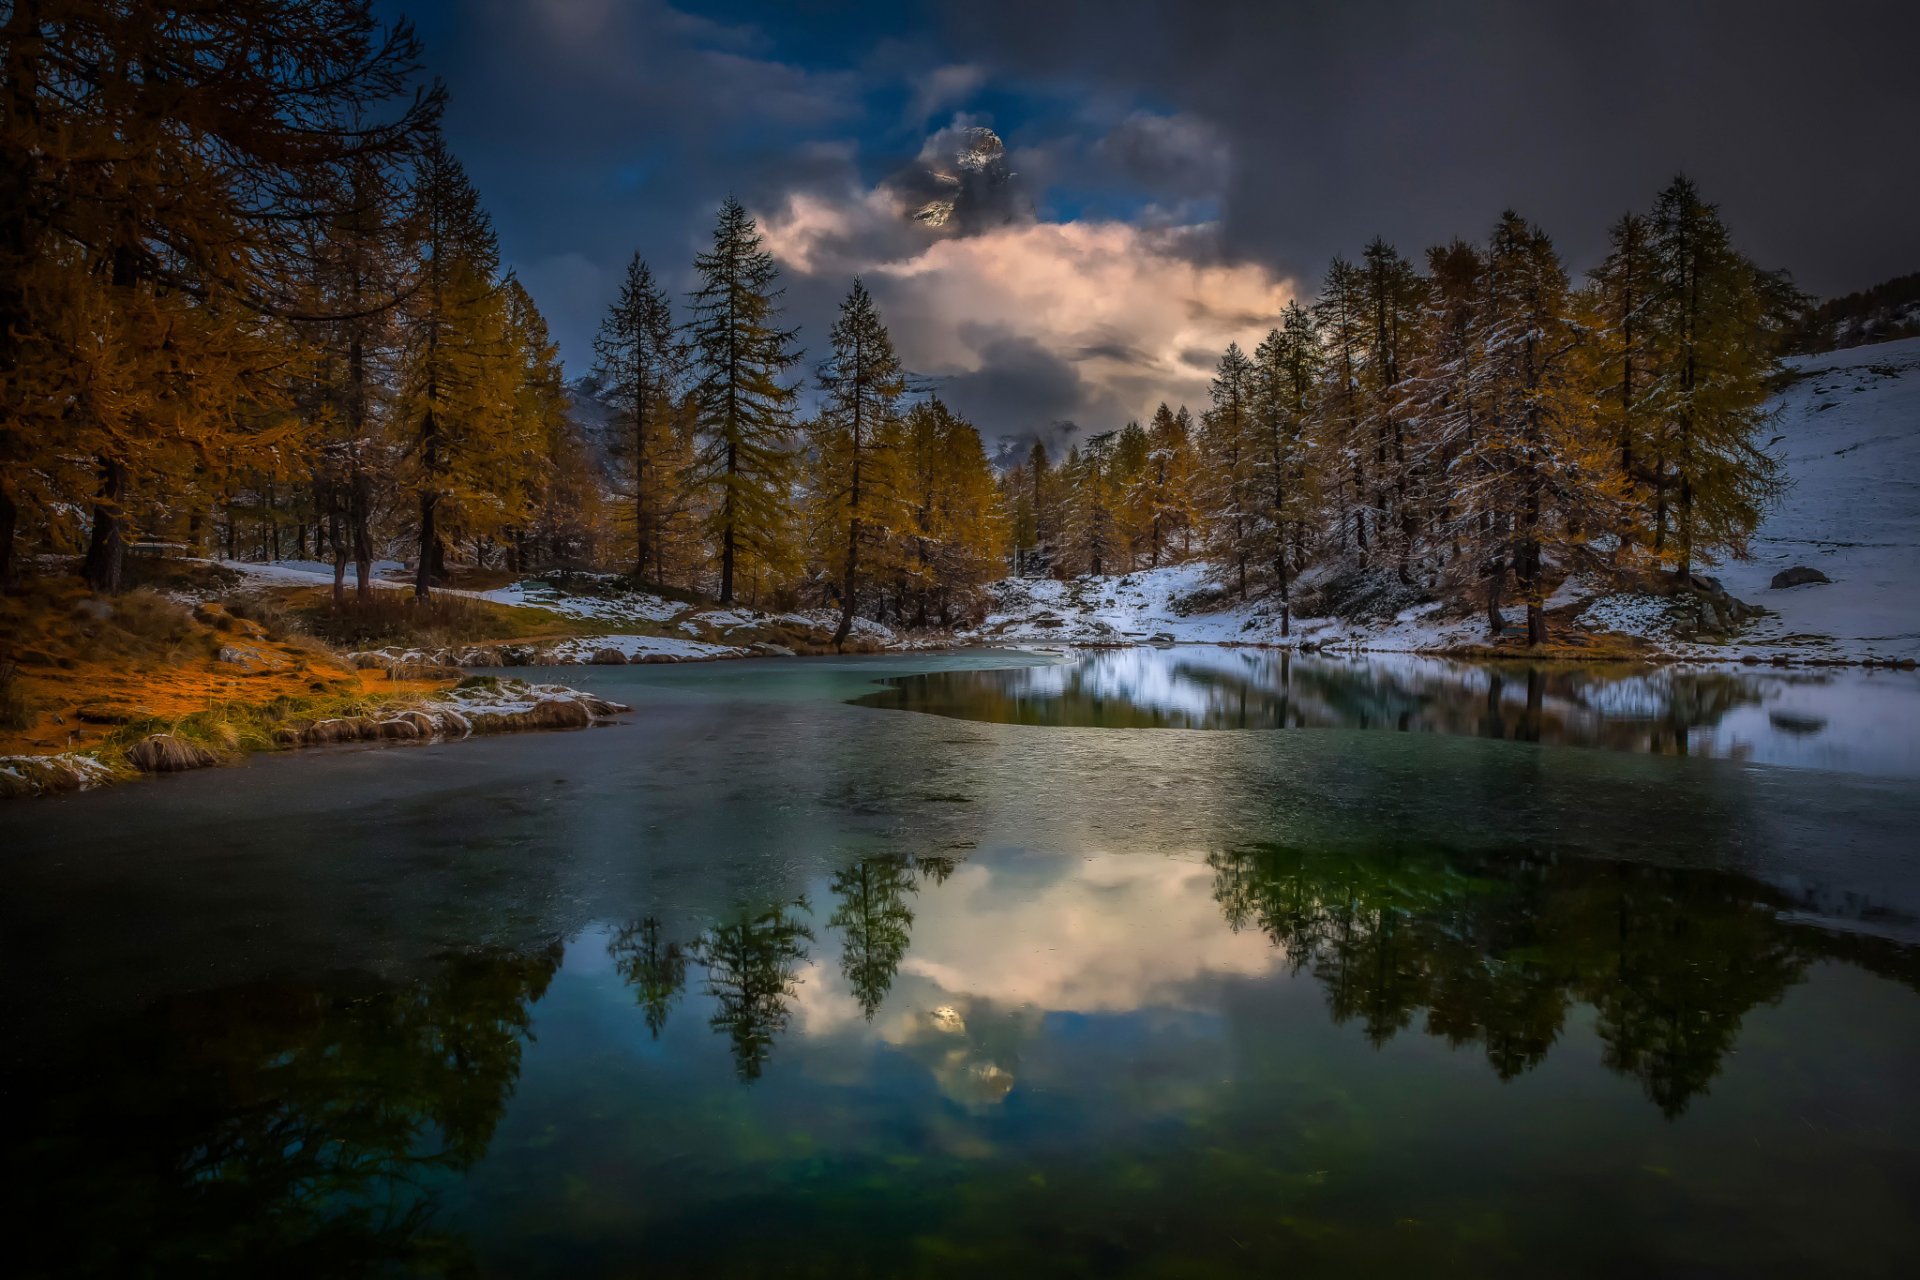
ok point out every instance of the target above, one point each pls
(396, 618)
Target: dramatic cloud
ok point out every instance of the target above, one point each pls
(1025, 323)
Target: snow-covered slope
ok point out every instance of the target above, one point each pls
(1847, 432)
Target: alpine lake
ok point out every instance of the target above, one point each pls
(1148, 962)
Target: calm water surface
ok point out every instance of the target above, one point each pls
(777, 978)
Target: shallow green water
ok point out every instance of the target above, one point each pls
(765, 982)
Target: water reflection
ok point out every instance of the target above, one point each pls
(318, 1127)
(276, 1128)
(1799, 717)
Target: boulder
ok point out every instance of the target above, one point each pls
(1798, 576)
(608, 657)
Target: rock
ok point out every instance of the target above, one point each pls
(1161, 638)
(1798, 576)
(98, 610)
(244, 656)
(608, 657)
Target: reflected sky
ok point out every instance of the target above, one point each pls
(1831, 718)
(764, 982)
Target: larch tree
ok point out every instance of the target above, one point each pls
(1226, 443)
(461, 380)
(1617, 313)
(641, 360)
(745, 410)
(1286, 381)
(1713, 356)
(163, 164)
(1342, 316)
(855, 489)
(1545, 474)
(1168, 482)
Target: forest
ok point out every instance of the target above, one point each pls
(289, 333)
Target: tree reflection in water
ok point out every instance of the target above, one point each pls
(752, 965)
(277, 1128)
(1622, 706)
(1496, 951)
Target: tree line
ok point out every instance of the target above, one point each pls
(1484, 426)
(251, 304)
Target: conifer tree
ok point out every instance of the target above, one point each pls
(1342, 318)
(1286, 379)
(745, 411)
(641, 361)
(855, 490)
(461, 378)
(1617, 313)
(1133, 492)
(1713, 354)
(1225, 435)
(1393, 293)
(1168, 481)
(1545, 478)
(163, 165)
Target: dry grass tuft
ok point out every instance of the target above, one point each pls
(168, 753)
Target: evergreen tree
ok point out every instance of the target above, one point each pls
(462, 379)
(1713, 352)
(854, 487)
(1168, 482)
(153, 221)
(1227, 477)
(641, 360)
(745, 412)
(1286, 379)
(1617, 312)
(1393, 295)
(1544, 482)
(1342, 317)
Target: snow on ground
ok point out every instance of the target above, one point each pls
(639, 649)
(1847, 432)
(626, 606)
(1174, 605)
(1849, 437)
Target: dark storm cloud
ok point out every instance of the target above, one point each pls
(1420, 121)
(595, 128)
(1021, 389)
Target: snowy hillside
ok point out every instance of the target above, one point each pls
(1847, 432)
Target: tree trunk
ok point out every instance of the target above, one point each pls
(9, 524)
(429, 548)
(1495, 624)
(107, 547)
(360, 517)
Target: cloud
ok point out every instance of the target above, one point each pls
(942, 88)
(1030, 322)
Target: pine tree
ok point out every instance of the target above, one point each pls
(1342, 317)
(153, 217)
(641, 362)
(745, 411)
(1286, 380)
(1616, 308)
(855, 490)
(1134, 494)
(1544, 481)
(1393, 294)
(1227, 474)
(1713, 355)
(1168, 481)
(462, 376)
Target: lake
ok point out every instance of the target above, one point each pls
(1141, 963)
